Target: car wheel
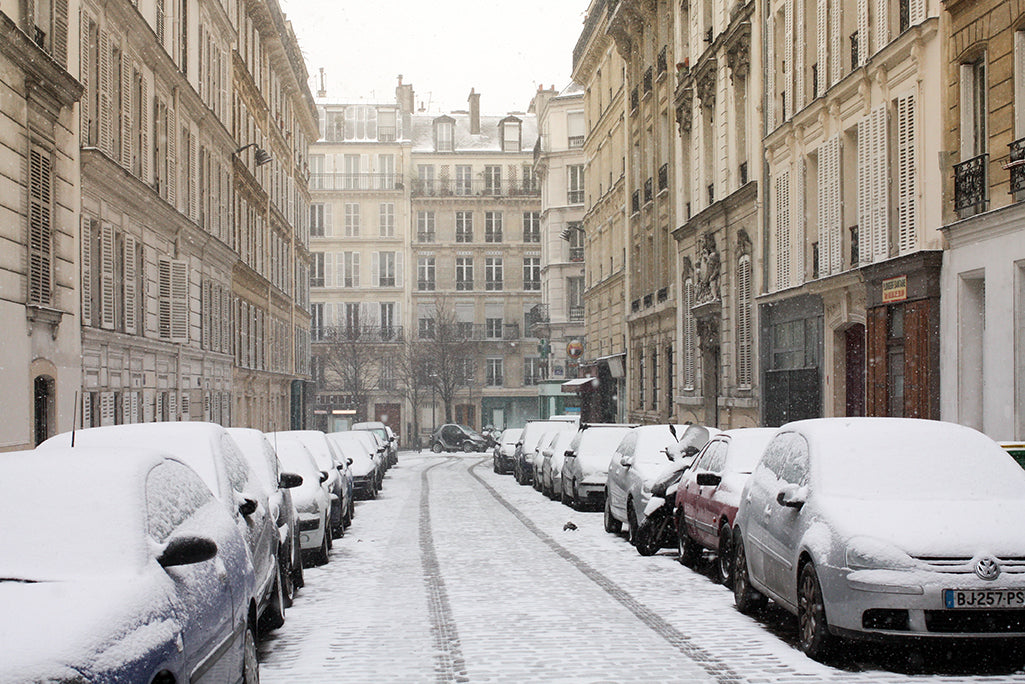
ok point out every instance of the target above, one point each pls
(436, 447)
(724, 558)
(286, 575)
(612, 524)
(337, 529)
(298, 580)
(812, 629)
(250, 664)
(494, 465)
(631, 522)
(347, 515)
(323, 554)
(687, 551)
(468, 447)
(274, 614)
(648, 539)
(747, 598)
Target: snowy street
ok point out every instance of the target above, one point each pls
(458, 574)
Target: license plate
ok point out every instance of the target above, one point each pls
(984, 598)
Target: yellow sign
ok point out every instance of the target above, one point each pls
(895, 289)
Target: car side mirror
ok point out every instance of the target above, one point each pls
(792, 496)
(570, 453)
(289, 480)
(708, 479)
(187, 550)
(340, 467)
(323, 476)
(626, 461)
(247, 506)
(348, 461)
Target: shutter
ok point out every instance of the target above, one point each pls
(916, 11)
(84, 74)
(130, 275)
(788, 56)
(836, 42)
(355, 269)
(688, 336)
(822, 29)
(907, 187)
(106, 408)
(375, 269)
(86, 278)
(880, 185)
(226, 328)
(133, 407)
(106, 99)
(126, 111)
(87, 410)
(217, 329)
(172, 156)
(828, 181)
(800, 78)
(398, 269)
(144, 127)
(770, 114)
(783, 230)
(172, 404)
(863, 34)
(883, 23)
(877, 399)
(207, 416)
(164, 298)
(106, 275)
(744, 351)
(194, 173)
(179, 301)
(206, 315)
(865, 228)
(40, 277)
(60, 32)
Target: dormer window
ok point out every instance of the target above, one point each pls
(387, 130)
(511, 134)
(360, 123)
(444, 134)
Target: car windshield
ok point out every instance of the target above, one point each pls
(906, 460)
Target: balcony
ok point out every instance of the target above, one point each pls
(661, 64)
(575, 197)
(647, 190)
(425, 285)
(426, 236)
(359, 182)
(368, 333)
(647, 80)
(649, 299)
(662, 295)
(663, 177)
(465, 285)
(478, 332)
(635, 99)
(576, 253)
(476, 187)
(635, 306)
(1016, 165)
(537, 315)
(635, 202)
(970, 184)
(576, 313)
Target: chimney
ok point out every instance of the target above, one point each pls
(406, 101)
(322, 91)
(474, 101)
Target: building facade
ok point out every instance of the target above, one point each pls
(982, 333)
(599, 69)
(39, 303)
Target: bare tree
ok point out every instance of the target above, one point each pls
(350, 366)
(451, 351)
(412, 373)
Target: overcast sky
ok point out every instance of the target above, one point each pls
(445, 47)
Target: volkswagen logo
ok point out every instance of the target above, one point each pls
(987, 568)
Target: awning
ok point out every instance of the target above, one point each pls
(578, 384)
(615, 362)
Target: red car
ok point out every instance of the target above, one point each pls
(709, 495)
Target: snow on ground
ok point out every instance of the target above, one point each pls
(475, 579)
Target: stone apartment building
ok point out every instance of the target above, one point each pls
(982, 329)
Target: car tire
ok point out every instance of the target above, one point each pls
(631, 522)
(468, 447)
(298, 580)
(647, 539)
(347, 515)
(687, 550)
(250, 661)
(494, 465)
(612, 524)
(323, 555)
(747, 598)
(274, 614)
(337, 528)
(724, 558)
(436, 447)
(286, 575)
(813, 635)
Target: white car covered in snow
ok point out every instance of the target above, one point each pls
(311, 499)
(884, 528)
(366, 476)
(586, 468)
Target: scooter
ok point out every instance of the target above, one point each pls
(659, 527)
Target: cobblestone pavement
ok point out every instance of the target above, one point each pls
(457, 574)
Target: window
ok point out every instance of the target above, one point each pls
(360, 122)
(575, 184)
(351, 219)
(173, 299)
(444, 129)
(425, 274)
(575, 129)
(352, 167)
(531, 226)
(352, 319)
(576, 241)
(386, 269)
(493, 372)
(493, 180)
(425, 178)
(492, 226)
(317, 321)
(531, 370)
(493, 328)
(745, 353)
(532, 273)
(464, 179)
(425, 327)
(493, 274)
(575, 298)
(334, 126)
(350, 269)
(654, 379)
(385, 172)
(387, 219)
(689, 335)
(387, 129)
(973, 110)
(640, 379)
(40, 228)
(464, 273)
(529, 180)
(895, 360)
(464, 226)
(316, 269)
(511, 136)
(174, 494)
(387, 314)
(318, 219)
(425, 226)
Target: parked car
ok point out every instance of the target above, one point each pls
(366, 479)
(339, 479)
(311, 498)
(640, 458)
(455, 437)
(537, 458)
(884, 528)
(505, 449)
(209, 450)
(278, 483)
(552, 459)
(385, 434)
(709, 495)
(1016, 450)
(136, 574)
(523, 459)
(586, 469)
(369, 444)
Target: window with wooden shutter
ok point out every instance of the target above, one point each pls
(107, 284)
(745, 351)
(836, 41)
(822, 31)
(830, 234)
(86, 28)
(193, 170)
(40, 227)
(863, 34)
(907, 184)
(125, 153)
(770, 76)
(106, 93)
(86, 272)
(783, 230)
(689, 335)
(106, 408)
(179, 301)
(164, 298)
(799, 59)
(172, 404)
(172, 158)
(131, 285)
(883, 23)
(85, 420)
(880, 184)
(206, 316)
(788, 61)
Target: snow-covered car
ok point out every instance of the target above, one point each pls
(505, 450)
(884, 528)
(278, 483)
(1016, 450)
(642, 455)
(708, 496)
(586, 469)
(312, 500)
(385, 435)
(339, 479)
(552, 458)
(366, 477)
(455, 437)
(209, 450)
(137, 575)
(523, 458)
(369, 444)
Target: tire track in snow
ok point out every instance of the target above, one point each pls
(712, 665)
(449, 664)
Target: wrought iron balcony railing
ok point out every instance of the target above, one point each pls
(635, 202)
(538, 314)
(365, 333)
(576, 313)
(1016, 165)
(356, 181)
(475, 187)
(661, 62)
(576, 253)
(647, 80)
(970, 183)
(648, 190)
(663, 177)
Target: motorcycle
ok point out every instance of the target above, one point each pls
(659, 527)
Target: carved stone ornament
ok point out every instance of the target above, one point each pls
(686, 269)
(708, 270)
(738, 57)
(684, 113)
(744, 246)
(705, 81)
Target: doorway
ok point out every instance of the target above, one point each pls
(854, 369)
(43, 402)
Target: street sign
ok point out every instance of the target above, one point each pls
(575, 349)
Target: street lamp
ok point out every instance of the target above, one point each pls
(262, 155)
